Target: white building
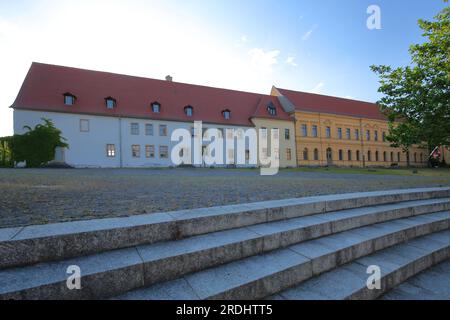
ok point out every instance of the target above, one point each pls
(112, 120)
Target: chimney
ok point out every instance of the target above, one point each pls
(169, 78)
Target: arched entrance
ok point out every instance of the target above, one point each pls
(329, 156)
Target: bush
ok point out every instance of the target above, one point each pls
(37, 146)
(6, 159)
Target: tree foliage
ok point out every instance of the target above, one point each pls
(37, 146)
(416, 98)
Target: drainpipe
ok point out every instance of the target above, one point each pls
(120, 142)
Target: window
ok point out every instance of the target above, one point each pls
(357, 134)
(316, 154)
(148, 129)
(163, 152)
(314, 131)
(392, 157)
(189, 111)
(415, 157)
(385, 156)
(110, 102)
(84, 125)
(304, 130)
(135, 129)
(384, 136)
(264, 132)
(358, 156)
(288, 154)
(341, 155)
(69, 99)
(368, 135)
(377, 158)
(348, 134)
(271, 109)
(349, 155)
(136, 151)
(421, 157)
(328, 132)
(398, 157)
(162, 130)
(287, 134)
(339, 133)
(231, 154)
(149, 151)
(375, 135)
(226, 114)
(110, 150)
(156, 107)
(247, 154)
(369, 156)
(305, 154)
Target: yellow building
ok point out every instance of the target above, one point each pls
(342, 132)
(270, 115)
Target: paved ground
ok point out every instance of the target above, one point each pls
(37, 196)
(432, 284)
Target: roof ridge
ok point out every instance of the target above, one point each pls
(325, 95)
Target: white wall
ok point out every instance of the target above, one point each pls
(88, 149)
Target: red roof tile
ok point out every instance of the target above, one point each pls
(304, 101)
(261, 109)
(45, 85)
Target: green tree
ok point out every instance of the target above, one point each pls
(37, 146)
(416, 98)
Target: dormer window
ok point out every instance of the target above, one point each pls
(271, 109)
(156, 107)
(110, 102)
(69, 99)
(189, 111)
(226, 114)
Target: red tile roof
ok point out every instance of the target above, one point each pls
(304, 101)
(261, 109)
(45, 85)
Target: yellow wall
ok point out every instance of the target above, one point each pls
(322, 143)
(284, 144)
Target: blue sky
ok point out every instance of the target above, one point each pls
(314, 46)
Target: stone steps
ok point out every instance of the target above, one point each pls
(397, 264)
(29, 245)
(274, 254)
(266, 274)
(432, 284)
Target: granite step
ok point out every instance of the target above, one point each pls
(431, 284)
(397, 265)
(266, 274)
(29, 245)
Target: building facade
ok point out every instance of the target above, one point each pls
(112, 120)
(342, 132)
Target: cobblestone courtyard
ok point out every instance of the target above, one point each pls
(37, 196)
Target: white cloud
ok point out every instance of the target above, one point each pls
(318, 87)
(244, 39)
(308, 33)
(291, 61)
(349, 97)
(263, 61)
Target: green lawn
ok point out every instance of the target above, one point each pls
(421, 172)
